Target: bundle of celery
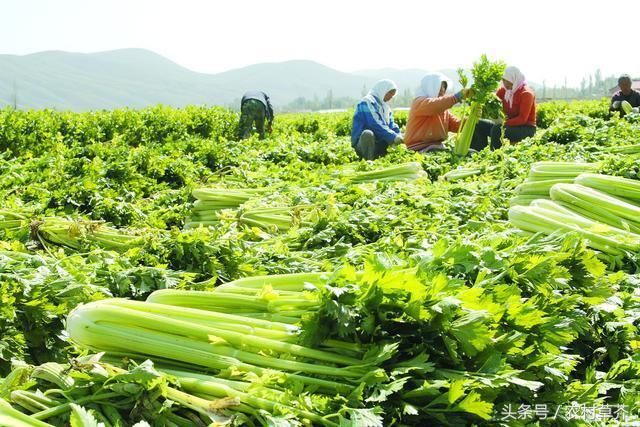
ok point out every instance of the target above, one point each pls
(544, 171)
(598, 205)
(10, 416)
(539, 188)
(402, 172)
(96, 392)
(254, 398)
(614, 185)
(548, 217)
(543, 176)
(12, 221)
(284, 298)
(281, 298)
(624, 149)
(287, 304)
(526, 199)
(223, 198)
(600, 208)
(275, 219)
(174, 330)
(278, 283)
(210, 201)
(75, 234)
(460, 174)
(486, 78)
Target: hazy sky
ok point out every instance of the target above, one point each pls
(550, 40)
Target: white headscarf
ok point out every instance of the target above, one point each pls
(379, 91)
(431, 83)
(516, 78)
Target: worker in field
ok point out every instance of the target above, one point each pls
(430, 120)
(373, 128)
(255, 109)
(625, 94)
(519, 107)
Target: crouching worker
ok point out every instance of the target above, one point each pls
(430, 119)
(519, 106)
(625, 97)
(373, 128)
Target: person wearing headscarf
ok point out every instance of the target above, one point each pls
(519, 106)
(373, 128)
(430, 120)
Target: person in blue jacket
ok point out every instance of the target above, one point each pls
(373, 127)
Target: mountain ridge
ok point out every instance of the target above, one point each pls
(137, 78)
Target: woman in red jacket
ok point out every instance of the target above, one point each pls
(519, 105)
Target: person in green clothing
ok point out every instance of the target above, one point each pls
(255, 109)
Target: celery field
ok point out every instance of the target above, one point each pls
(156, 271)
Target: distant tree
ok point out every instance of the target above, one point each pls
(297, 104)
(328, 103)
(406, 99)
(598, 81)
(15, 95)
(235, 104)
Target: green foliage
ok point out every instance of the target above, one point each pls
(486, 78)
(464, 314)
(482, 98)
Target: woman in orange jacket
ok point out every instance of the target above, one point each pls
(430, 120)
(519, 106)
